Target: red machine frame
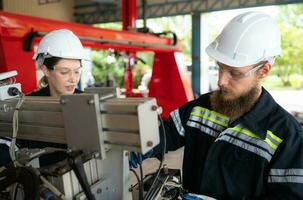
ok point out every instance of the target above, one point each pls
(19, 34)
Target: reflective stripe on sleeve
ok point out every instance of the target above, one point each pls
(220, 116)
(285, 176)
(203, 128)
(210, 116)
(206, 122)
(177, 121)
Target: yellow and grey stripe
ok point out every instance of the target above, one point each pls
(246, 146)
(250, 141)
(204, 122)
(207, 121)
(272, 139)
(203, 128)
(209, 117)
(177, 121)
(293, 175)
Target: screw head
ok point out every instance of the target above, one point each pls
(62, 101)
(90, 102)
(154, 107)
(99, 191)
(149, 143)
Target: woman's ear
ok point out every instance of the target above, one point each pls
(264, 71)
(45, 70)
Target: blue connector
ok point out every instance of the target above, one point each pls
(191, 197)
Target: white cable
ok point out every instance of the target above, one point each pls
(2, 168)
(161, 162)
(52, 188)
(12, 151)
(14, 191)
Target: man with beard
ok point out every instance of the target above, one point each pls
(238, 142)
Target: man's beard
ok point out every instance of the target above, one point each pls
(236, 107)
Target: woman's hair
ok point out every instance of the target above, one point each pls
(49, 63)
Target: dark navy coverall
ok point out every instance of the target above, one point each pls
(258, 156)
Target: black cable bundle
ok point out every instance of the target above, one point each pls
(24, 176)
(153, 189)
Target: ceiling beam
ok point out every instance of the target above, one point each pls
(93, 13)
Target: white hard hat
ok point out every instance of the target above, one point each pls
(247, 39)
(61, 43)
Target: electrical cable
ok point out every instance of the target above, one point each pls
(137, 177)
(52, 188)
(46, 194)
(15, 191)
(2, 168)
(141, 177)
(23, 176)
(12, 151)
(46, 151)
(145, 176)
(151, 189)
(13, 143)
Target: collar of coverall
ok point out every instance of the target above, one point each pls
(257, 118)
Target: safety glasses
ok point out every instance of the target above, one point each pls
(236, 74)
(67, 72)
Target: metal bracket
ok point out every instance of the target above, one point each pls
(83, 123)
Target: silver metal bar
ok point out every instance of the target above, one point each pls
(82, 120)
(89, 123)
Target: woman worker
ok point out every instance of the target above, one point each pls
(59, 55)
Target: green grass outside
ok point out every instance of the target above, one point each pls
(274, 82)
